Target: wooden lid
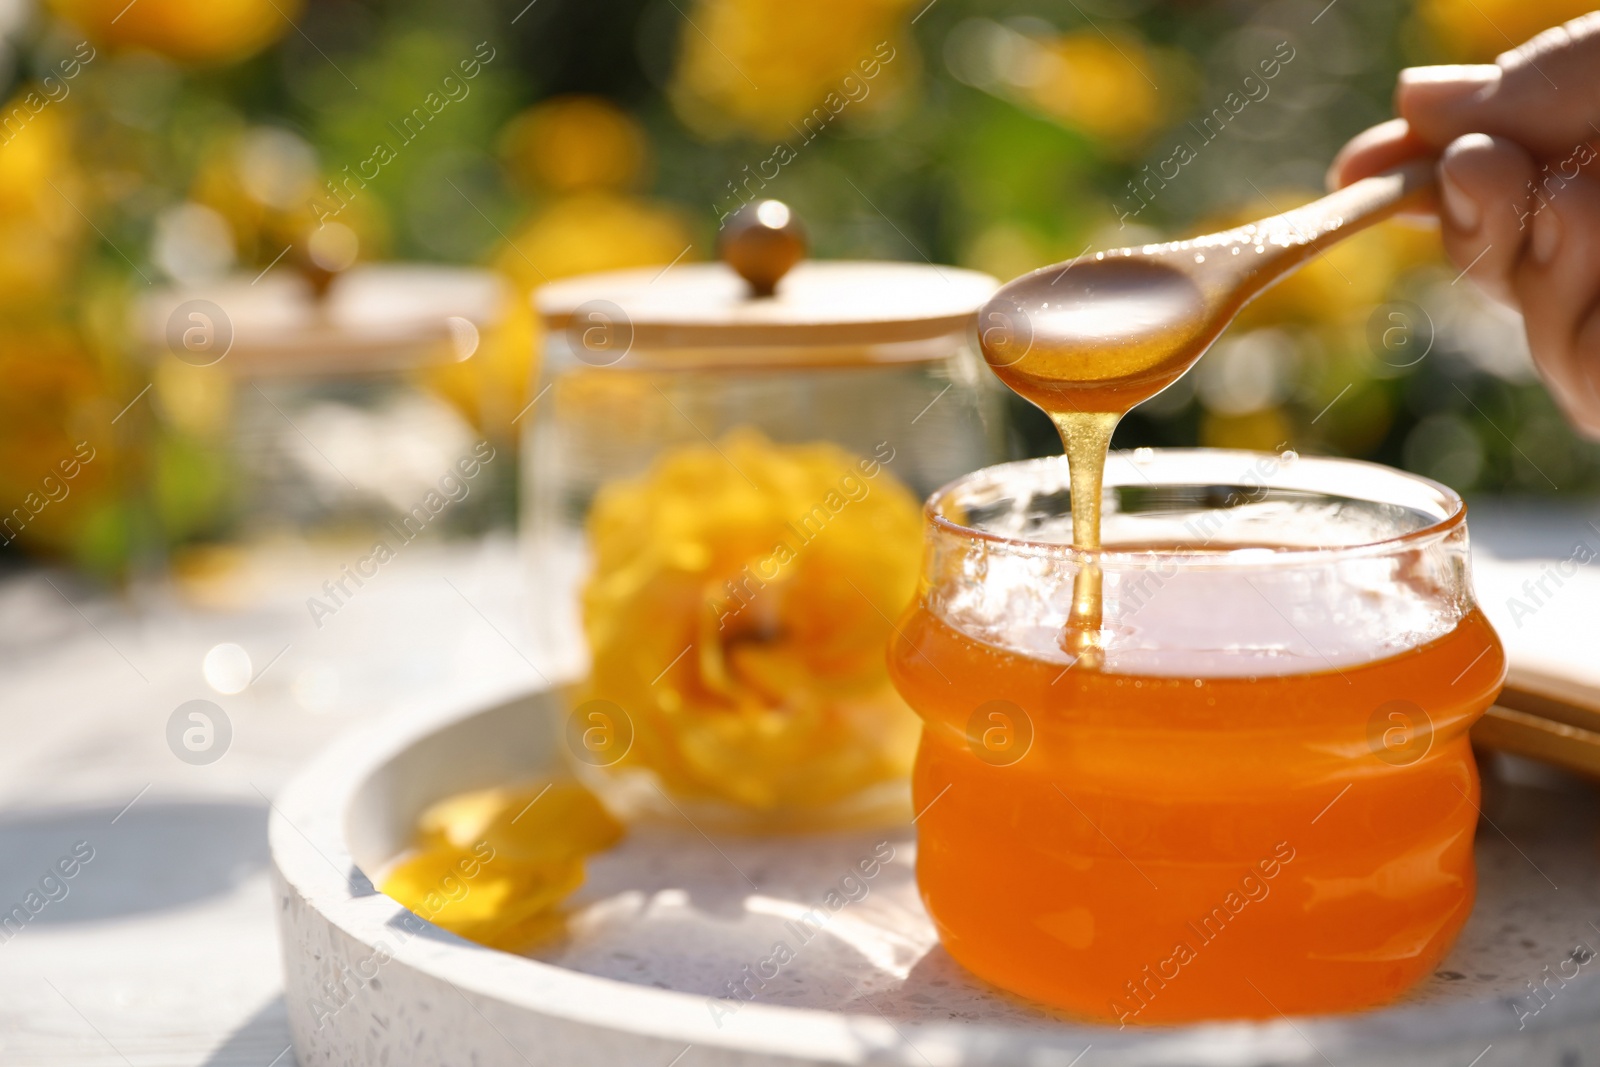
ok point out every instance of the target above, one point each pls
(707, 305)
(374, 319)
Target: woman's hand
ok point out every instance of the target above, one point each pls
(1519, 183)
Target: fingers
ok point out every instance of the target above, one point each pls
(1544, 94)
(1519, 213)
(1444, 101)
(1581, 400)
(1486, 209)
(1375, 150)
(1557, 282)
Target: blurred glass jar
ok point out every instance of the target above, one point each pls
(722, 493)
(293, 411)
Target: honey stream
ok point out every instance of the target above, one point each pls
(1088, 340)
(1086, 343)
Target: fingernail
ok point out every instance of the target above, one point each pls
(1421, 89)
(1546, 236)
(1450, 72)
(1463, 211)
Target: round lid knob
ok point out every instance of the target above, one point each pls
(762, 241)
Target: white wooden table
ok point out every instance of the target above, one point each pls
(164, 951)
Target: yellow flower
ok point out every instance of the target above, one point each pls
(1104, 86)
(573, 143)
(493, 864)
(578, 234)
(755, 66)
(55, 466)
(39, 184)
(196, 31)
(765, 576)
(494, 385)
(1478, 30)
(592, 232)
(587, 152)
(194, 400)
(264, 182)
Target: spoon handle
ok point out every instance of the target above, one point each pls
(1376, 197)
(1286, 240)
(1364, 202)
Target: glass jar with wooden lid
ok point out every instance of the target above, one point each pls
(723, 470)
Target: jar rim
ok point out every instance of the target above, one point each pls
(1322, 475)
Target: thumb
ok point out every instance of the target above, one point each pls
(1544, 94)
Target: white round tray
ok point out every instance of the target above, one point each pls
(670, 916)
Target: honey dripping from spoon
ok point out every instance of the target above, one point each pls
(1088, 340)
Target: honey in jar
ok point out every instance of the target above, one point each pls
(1258, 797)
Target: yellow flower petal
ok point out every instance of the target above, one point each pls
(490, 900)
(493, 864)
(545, 822)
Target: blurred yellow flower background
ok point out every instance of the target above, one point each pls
(575, 143)
(581, 155)
(174, 141)
(1103, 84)
(54, 400)
(264, 181)
(765, 575)
(1104, 87)
(198, 31)
(1478, 30)
(1318, 311)
(40, 230)
(758, 66)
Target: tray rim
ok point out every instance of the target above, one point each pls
(312, 859)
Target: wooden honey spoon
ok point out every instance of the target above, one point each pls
(1088, 339)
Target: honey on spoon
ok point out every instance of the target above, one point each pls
(1088, 340)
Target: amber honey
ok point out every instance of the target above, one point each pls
(1204, 809)
(1257, 795)
(1148, 849)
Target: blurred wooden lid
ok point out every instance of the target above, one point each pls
(754, 298)
(375, 318)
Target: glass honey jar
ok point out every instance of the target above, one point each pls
(1258, 797)
(723, 469)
